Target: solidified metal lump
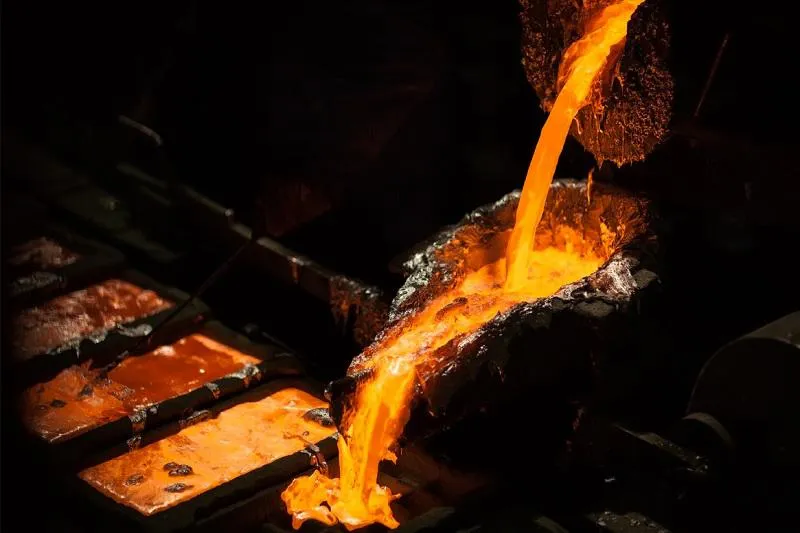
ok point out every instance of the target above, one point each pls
(58, 403)
(631, 105)
(138, 331)
(196, 417)
(177, 487)
(320, 415)
(138, 421)
(121, 393)
(135, 479)
(134, 442)
(214, 389)
(181, 470)
(247, 374)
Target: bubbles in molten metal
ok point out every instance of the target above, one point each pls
(408, 351)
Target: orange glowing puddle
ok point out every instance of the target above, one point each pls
(75, 401)
(373, 423)
(239, 440)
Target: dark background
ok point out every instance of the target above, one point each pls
(361, 127)
(337, 113)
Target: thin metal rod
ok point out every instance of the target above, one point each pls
(712, 73)
(138, 126)
(147, 339)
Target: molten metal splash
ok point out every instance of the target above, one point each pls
(382, 403)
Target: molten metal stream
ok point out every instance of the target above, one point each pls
(581, 64)
(408, 352)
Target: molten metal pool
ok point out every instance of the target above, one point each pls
(76, 400)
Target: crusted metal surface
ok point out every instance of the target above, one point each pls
(631, 104)
(34, 281)
(357, 305)
(537, 341)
